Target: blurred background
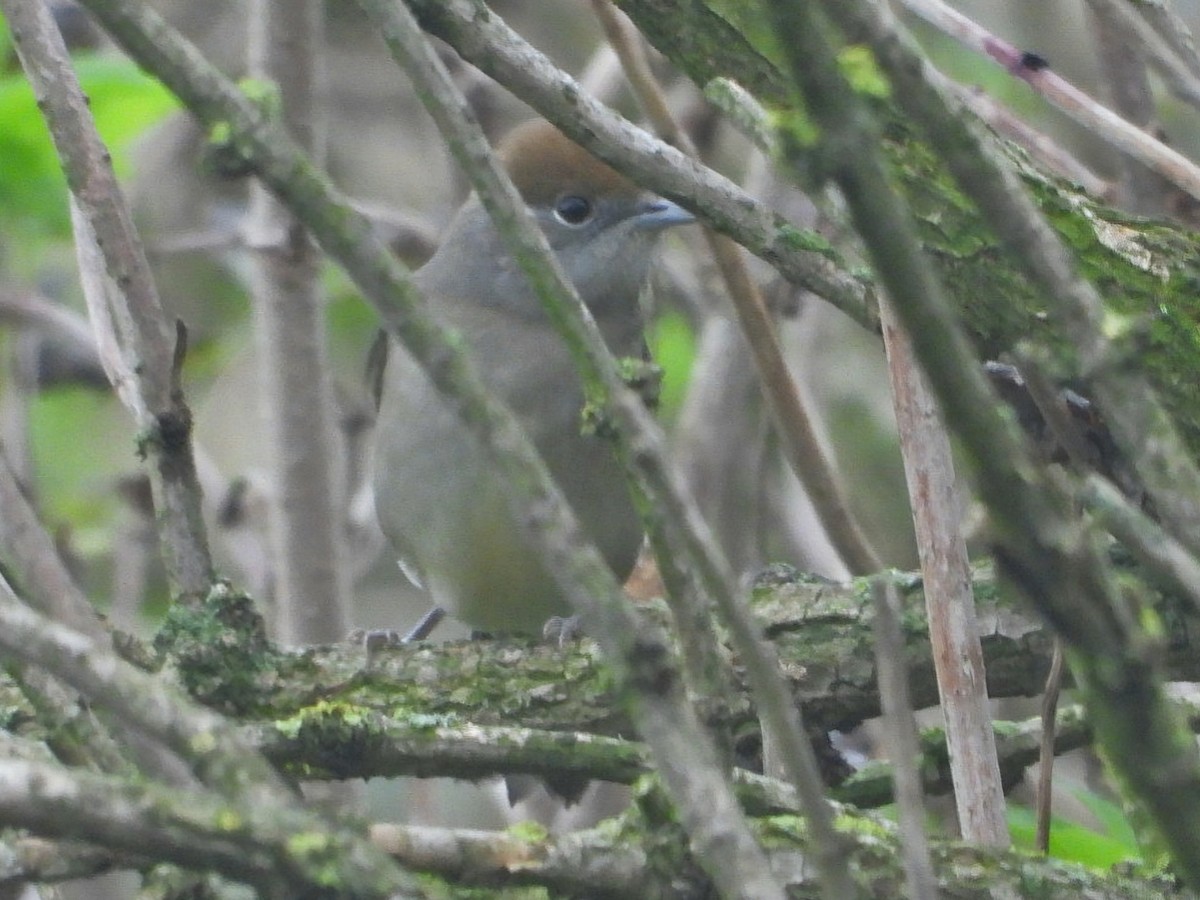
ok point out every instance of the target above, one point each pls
(75, 446)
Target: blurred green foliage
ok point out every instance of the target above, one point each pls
(80, 439)
(82, 442)
(673, 347)
(124, 102)
(1072, 842)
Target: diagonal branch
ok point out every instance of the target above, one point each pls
(146, 362)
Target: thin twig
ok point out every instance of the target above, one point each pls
(949, 600)
(1125, 86)
(1045, 783)
(1097, 118)
(1173, 29)
(1180, 79)
(802, 448)
(484, 39)
(707, 807)
(900, 736)
(218, 755)
(29, 309)
(143, 334)
(640, 658)
(307, 506)
(43, 577)
(1153, 547)
(1039, 545)
(1048, 152)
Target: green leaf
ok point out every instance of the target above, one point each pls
(1068, 841)
(858, 65)
(673, 347)
(82, 446)
(1112, 816)
(123, 101)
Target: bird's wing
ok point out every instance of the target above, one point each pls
(410, 571)
(374, 369)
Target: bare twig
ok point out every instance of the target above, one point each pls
(664, 716)
(307, 497)
(1046, 751)
(1052, 155)
(1125, 86)
(219, 756)
(802, 448)
(1097, 118)
(28, 548)
(900, 736)
(1173, 29)
(631, 52)
(485, 40)
(1038, 545)
(29, 309)
(949, 600)
(147, 352)
(707, 808)
(1159, 551)
(1180, 78)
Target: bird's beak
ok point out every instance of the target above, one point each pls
(658, 213)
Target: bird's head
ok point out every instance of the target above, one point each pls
(602, 226)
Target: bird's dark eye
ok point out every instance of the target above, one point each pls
(573, 209)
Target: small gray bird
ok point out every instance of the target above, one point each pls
(437, 496)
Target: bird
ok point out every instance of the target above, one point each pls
(438, 498)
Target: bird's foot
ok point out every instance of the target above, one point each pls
(375, 639)
(562, 630)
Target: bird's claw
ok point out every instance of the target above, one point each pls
(562, 630)
(372, 640)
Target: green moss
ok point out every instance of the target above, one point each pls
(529, 832)
(859, 67)
(220, 650)
(806, 239)
(795, 127)
(10, 717)
(263, 94)
(229, 819)
(1004, 728)
(861, 788)
(429, 721)
(320, 853)
(782, 831)
(1152, 625)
